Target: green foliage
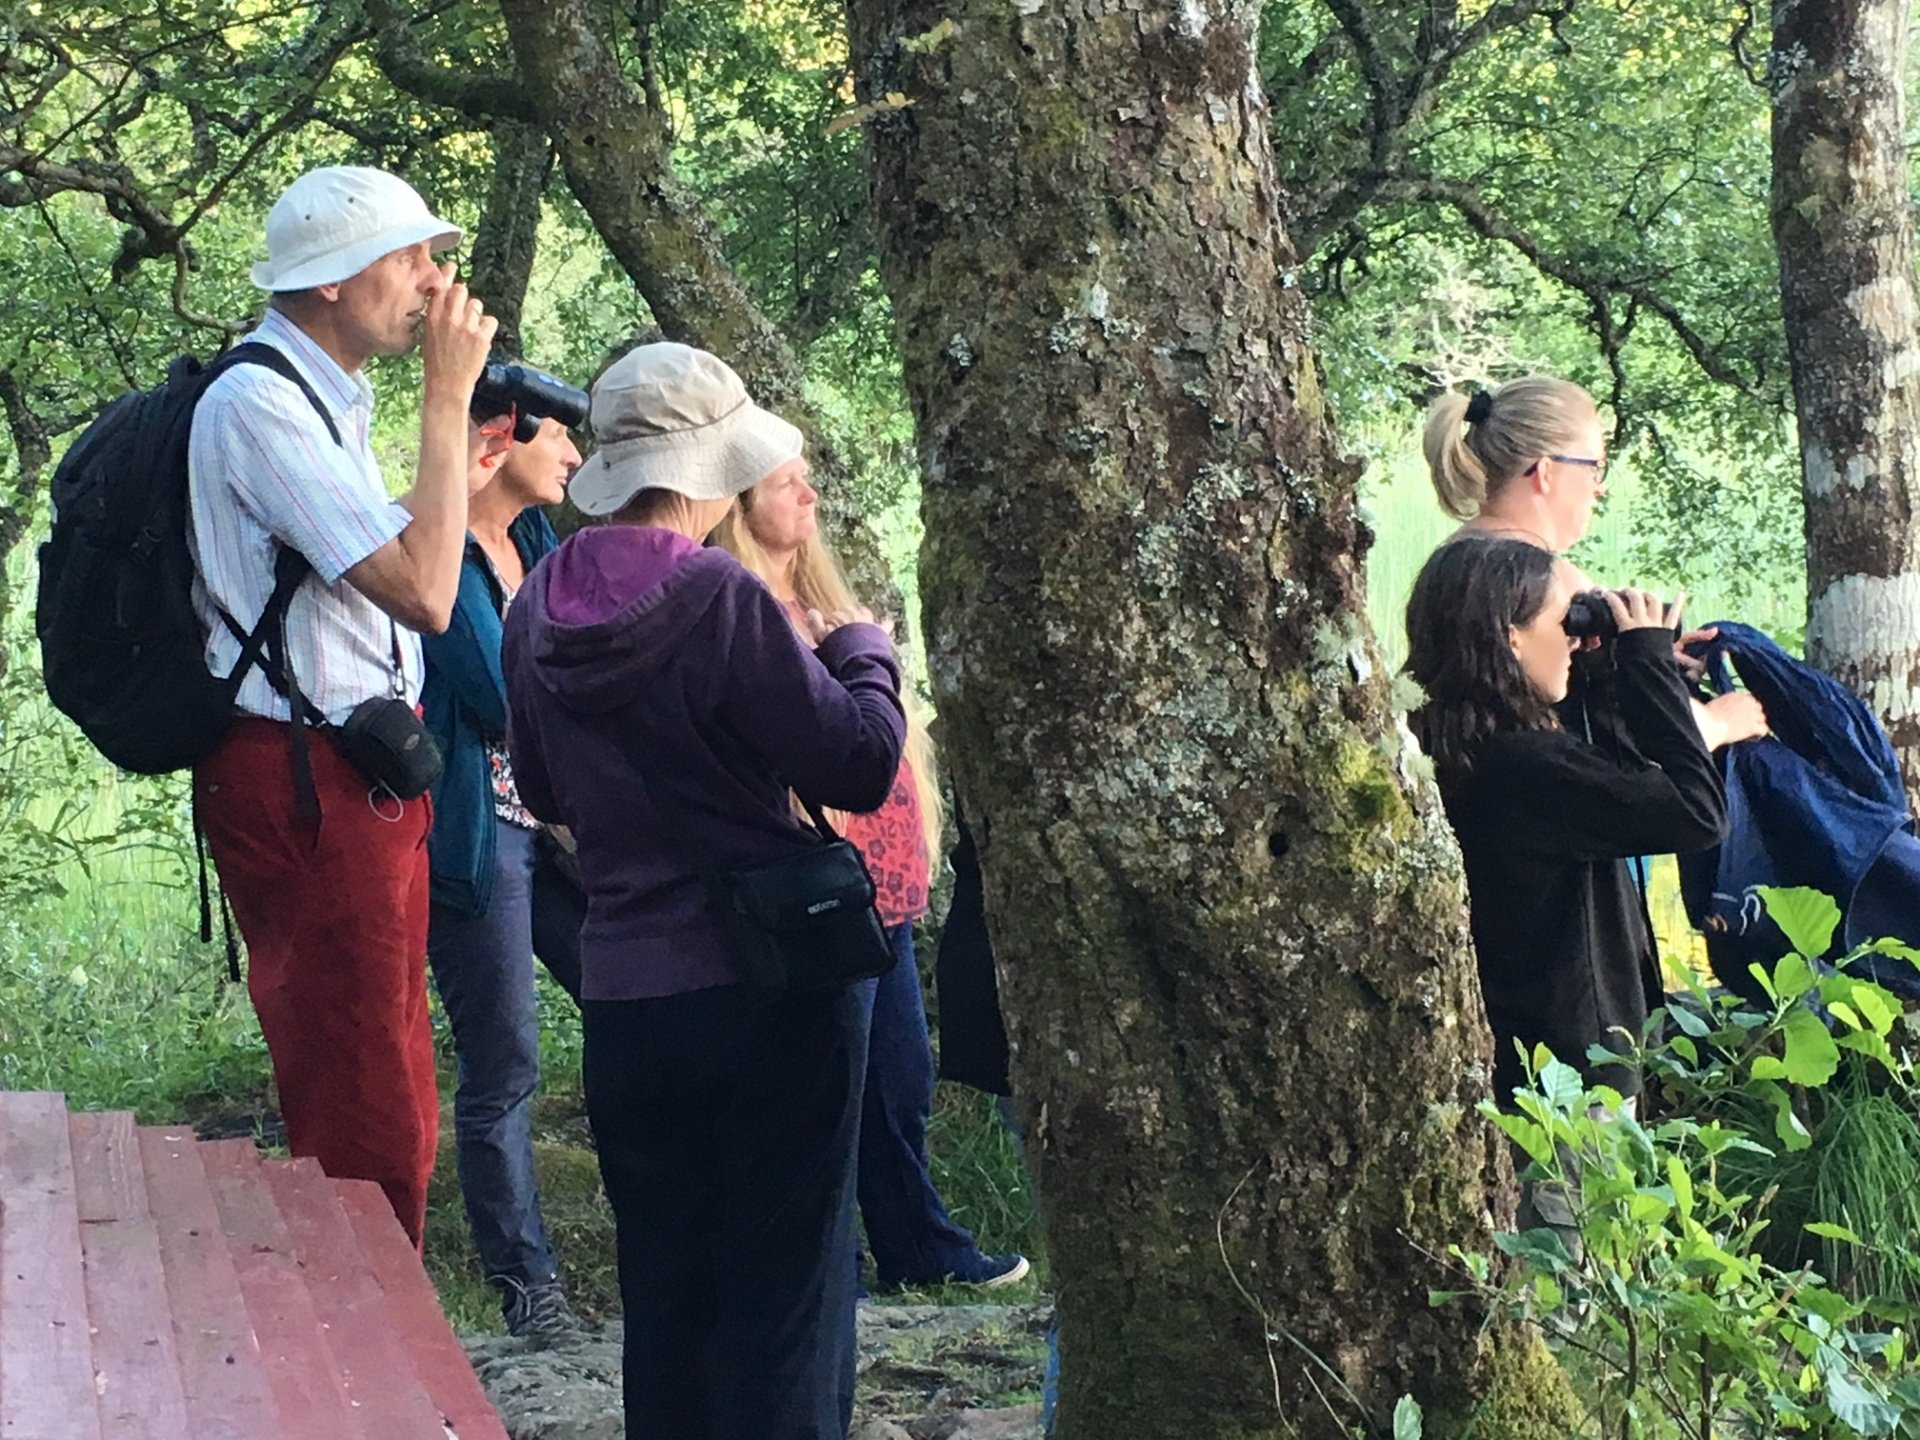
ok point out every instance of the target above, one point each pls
(1688, 1298)
(1583, 192)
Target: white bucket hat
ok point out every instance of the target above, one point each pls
(670, 417)
(334, 222)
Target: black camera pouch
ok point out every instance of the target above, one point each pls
(386, 742)
(803, 923)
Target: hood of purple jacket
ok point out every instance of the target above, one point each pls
(612, 606)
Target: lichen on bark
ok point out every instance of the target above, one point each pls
(1228, 916)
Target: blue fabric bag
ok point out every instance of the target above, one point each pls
(1818, 803)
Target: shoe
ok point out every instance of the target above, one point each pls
(987, 1272)
(539, 1312)
(993, 1271)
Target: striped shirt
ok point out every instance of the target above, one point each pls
(262, 469)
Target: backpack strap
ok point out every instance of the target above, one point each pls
(266, 644)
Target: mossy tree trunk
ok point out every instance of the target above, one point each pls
(616, 147)
(1228, 917)
(1843, 227)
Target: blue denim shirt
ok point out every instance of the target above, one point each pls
(465, 704)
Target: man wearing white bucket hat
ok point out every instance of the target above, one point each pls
(327, 875)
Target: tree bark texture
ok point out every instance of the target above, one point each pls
(1842, 224)
(508, 235)
(32, 441)
(1227, 912)
(617, 152)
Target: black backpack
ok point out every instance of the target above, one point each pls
(122, 650)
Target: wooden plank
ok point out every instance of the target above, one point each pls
(293, 1348)
(438, 1356)
(136, 1371)
(221, 1372)
(375, 1368)
(46, 1354)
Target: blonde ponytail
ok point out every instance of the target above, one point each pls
(1459, 479)
(1475, 445)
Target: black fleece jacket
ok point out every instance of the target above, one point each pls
(1546, 821)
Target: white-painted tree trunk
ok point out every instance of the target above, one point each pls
(1843, 229)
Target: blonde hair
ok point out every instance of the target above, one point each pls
(1471, 461)
(821, 585)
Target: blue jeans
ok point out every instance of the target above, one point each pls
(483, 968)
(726, 1140)
(914, 1240)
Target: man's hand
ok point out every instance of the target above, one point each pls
(454, 340)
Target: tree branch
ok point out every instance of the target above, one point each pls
(1596, 284)
(505, 240)
(477, 95)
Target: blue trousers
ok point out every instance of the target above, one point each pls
(726, 1136)
(913, 1239)
(483, 968)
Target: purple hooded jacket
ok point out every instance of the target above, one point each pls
(642, 667)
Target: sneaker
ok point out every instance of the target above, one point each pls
(539, 1312)
(993, 1271)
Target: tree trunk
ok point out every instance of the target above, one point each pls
(1842, 225)
(617, 153)
(509, 231)
(1228, 917)
(33, 455)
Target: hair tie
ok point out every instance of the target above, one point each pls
(1479, 406)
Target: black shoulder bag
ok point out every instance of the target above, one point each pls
(802, 923)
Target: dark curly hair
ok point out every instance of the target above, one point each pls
(1469, 592)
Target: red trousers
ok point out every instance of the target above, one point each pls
(336, 932)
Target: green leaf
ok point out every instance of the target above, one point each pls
(1830, 1231)
(1543, 1249)
(1786, 1124)
(1561, 1084)
(1806, 917)
(1681, 1183)
(1689, 1022)
(1857, 1407)
(1527, 1135)
(1406, 1419)
(1794, 977)
(1811, 1057)
(1649, 1207)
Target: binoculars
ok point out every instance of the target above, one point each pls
(531, 396)
(1589, 614)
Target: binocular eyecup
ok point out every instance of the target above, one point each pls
(531, 396)
(1589, 614)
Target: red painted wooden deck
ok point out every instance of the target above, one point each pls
(153, 1287)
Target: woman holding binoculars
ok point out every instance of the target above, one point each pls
(1547, 819)
(1561, 756)
(1528, 461)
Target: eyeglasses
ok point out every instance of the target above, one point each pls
(1599, 467)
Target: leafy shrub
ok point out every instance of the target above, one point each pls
(1691, 1302)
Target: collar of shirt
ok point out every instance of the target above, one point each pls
(346, 395)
